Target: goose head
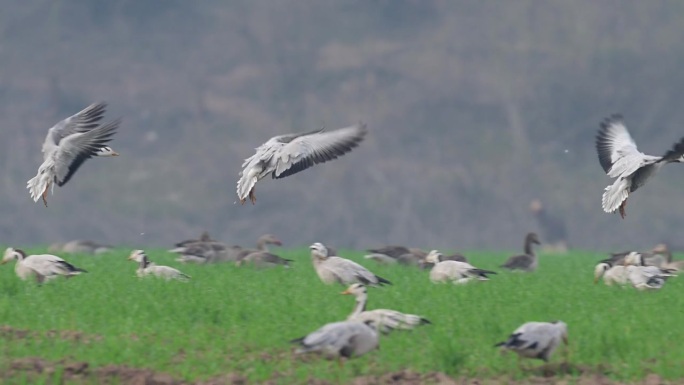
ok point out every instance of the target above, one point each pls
(12, 253)
(633, 259)
(319, 250)
(356, 289)
(532, 238)
(433, 256)
(106, 151)
(137, 256)
(599, 270)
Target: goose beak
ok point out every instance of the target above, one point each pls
(346, 292)
(114, 153)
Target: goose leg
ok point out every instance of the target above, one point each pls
(252, 197)
(45, 194)
(622, 208)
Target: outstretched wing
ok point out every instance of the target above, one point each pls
(307, 150)
(613, 142)
(85, 120)
(76, 148)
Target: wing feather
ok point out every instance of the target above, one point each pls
(307, 150)
(76, 148)
(82, 121)
(613, 142)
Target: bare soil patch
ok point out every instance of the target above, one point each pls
(76, 372)
(8, 332)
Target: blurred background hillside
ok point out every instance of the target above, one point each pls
(474, 109)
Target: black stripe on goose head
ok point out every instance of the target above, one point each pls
(21, 253)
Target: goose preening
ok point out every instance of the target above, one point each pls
(454, 271)
(261, 245)
(145, 268)
(41, 266)
(289, 154)
(536, 339)
(389, 255)
(79, 247)
(611, 274)
(331, 269)
(620, 159)
(344, 339)
(384, 319)
(526, 262)
(68, 144)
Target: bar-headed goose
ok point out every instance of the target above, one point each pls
(536, 339)
(145, 268)
(344, 339)
(620, 159)
(41, 266)
(526, 262)
(289, 154)
(68, 144)
(612, 274)
(644, 277)
(385, 320)
(454, 271)
(331, 269)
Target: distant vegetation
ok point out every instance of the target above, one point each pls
(471, 107)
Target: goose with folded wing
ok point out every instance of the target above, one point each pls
(41, 266)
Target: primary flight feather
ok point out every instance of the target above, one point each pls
(289, 154)
(68, 144)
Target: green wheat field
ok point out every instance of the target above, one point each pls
(230, 319)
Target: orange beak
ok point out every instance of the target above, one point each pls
(346, 292)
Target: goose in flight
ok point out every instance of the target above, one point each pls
(386, 320)
(68, 144)
(41, 266)
(536, 339)
(289, 154)
(331, 269)
(620, 159)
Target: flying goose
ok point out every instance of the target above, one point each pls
(527, 262)
(344, 339)
(536, 339)
(289, 154)
(331, 269)
(454, 271)
(385, 320)
(620, 159)
(68, 144)
(145, 268)
(42, 266)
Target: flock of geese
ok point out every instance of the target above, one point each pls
(82, 136)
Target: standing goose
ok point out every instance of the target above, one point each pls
(67, 145)
(331, 269)
(536, 339)
(620, 159)
(42, 266)
(385, 320)
(527, 262)
(145, 268)
(289, 154)
(344, 339)
(454, 271)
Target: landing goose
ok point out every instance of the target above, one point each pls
(384, 319)
(68, 144)
(331, 269)
(145, 268)
(527, 262)
(289, 154)
(536, 339)
(344, 339)
(620, 159)
(454, 271)
(41, 266)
